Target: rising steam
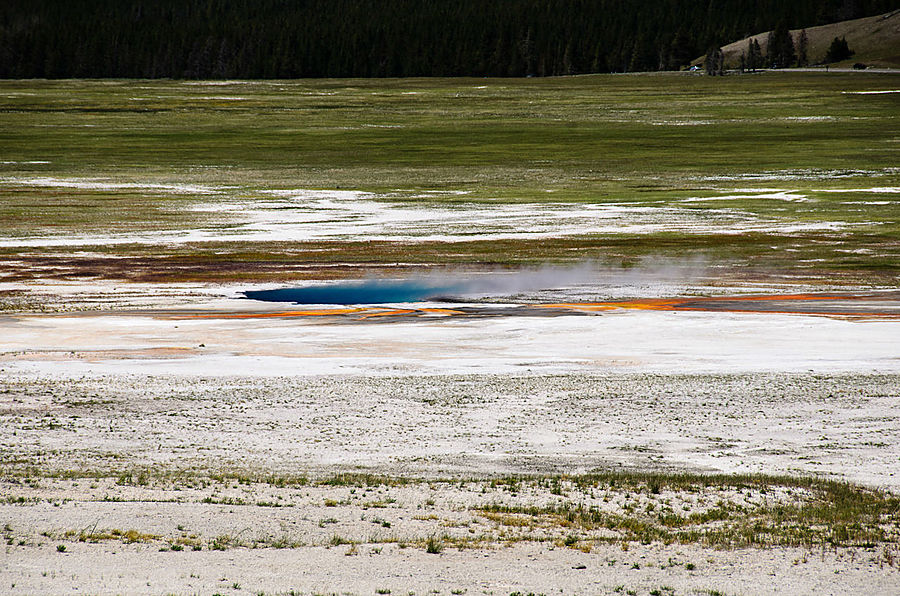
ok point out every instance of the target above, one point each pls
(457, 287)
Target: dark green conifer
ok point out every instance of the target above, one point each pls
(837, 51)
(803, 49)
(781, 47)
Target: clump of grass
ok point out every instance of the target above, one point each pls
(126, 536)
(134, 478)
(282, 541)
(223, 542)
(338, 540)
(131, 536)
(434, 545)
(242, 477)
(509, 519)
(223, 501)
(381, 504)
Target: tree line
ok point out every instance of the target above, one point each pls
(783, 52)
(199, 39)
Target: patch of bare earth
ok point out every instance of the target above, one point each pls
(456, 484)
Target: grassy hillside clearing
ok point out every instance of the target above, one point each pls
(875, 41)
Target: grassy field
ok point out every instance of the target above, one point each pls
(652, 141)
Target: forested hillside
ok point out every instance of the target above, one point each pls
(383, 38)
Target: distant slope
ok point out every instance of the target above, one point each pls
(876, 41)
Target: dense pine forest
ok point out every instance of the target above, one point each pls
(384, 38)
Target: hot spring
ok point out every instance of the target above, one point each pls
(362, 292)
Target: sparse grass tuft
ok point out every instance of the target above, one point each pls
(434, 545)
(338, 540)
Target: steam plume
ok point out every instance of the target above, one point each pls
(449, 286)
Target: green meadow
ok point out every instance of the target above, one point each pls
(651, 140)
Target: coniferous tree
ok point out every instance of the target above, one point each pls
(714, 63)
(643, 57)
(803, 49)
(526, 48)
(754, 55)
(681, 51)
(781, 47)
(770, 48)
(837, 51)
